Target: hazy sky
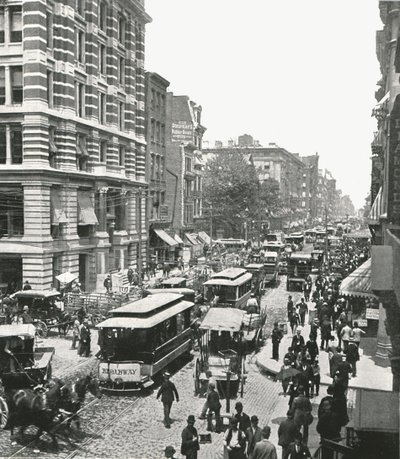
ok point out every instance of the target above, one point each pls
(300, 73)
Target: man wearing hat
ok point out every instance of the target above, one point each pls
(190, 441)
(253, 435)
(169, 452)
(276, 337)
(235, 441)
(252, 305)
(214, 406)
(286, 433)
(264, 449)
(168, 394)
(298, 341)
(352, 355)
(26, 318)
(84, 339)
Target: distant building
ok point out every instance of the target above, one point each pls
(245, 140)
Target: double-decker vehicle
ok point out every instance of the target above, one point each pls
(271, 268)
(141, 338)
(277, 247)
(232, 245)
(295, 240)
(231, 287)
(310, 235)
(299, 267)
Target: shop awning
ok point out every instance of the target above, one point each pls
(178, 239)
(57, 212)
(376, 209)
(358, 283)
(192, 238)
(86, 215)
(205, 237)
(166, 237)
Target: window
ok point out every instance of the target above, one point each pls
(16, 24)
(162, 167)
(153, 99)
(80, 99)
(11, 211)
(121, 156)
(16, 85)
(49, 28)
(152, 166)
(102, 58)
(50, 88)
(3, 145)
(103, 151)
(266, 167)
(121, 116)
(52, 146)
(82, 154)
(16, 144)
(152, 130)
(102, 101)
(102, 16)
(158, 132)
(79, 45)
(157, 167)
(1, 25)
(121, 29)
(80, 7)
(163, 134)
(121, 71)
(188, 164)
(2, 86)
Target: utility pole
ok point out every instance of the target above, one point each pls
(326, 236)
(211, 232)
(139, 220)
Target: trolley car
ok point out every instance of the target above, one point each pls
(221, 352)
(141, 339)
(232, 286)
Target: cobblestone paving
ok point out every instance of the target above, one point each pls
(133, 426)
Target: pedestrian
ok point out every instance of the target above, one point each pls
(335, 358)
(190, 440)
(107, 284)
(316, 380)
(253, 435)
(169, 452)
(25, 316)
(264, 449)
(214, 406)
(290, 307)
(312, 348)
(27, 286)
(210, 380)
(285, 379)
(252, 306)
(168, 394)
(235, 441)
(298, 342)
(294, 320)
(297, 449)
(325, 333)
(328, 427)
(314, 329)
(302, 416)
(328, 398)
(81, 314)
(75, 333)
(286, 433)
(290, 356)
(277, 336)
(305, 377)
(352, 356)
(345, 335)
(243, 418)
(84, 339)
(357, 332)
(129, 275)
(303, 310)
(342, 374)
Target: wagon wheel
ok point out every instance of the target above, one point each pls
(41, 329)
(3, 413)
(196, 377)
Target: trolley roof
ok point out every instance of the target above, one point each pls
(37, 293)
(230, 283)
(223, 319)
(146, 322)
(147, 305)
(23, 330)
(229, 273)
(255, 266)
(177, 290)
(300, 256)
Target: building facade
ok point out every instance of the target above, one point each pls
(72, 148)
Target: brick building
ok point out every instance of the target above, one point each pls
(72, 139)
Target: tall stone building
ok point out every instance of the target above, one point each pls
(72, 139)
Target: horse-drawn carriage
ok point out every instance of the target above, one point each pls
(45, 309)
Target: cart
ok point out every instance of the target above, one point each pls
(221, 352)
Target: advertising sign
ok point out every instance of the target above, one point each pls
(182, 131)
(362, 322)
(372, 313)
(128, 372)
(394, 165)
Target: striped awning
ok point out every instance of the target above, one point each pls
(376, 209)
(358, 283)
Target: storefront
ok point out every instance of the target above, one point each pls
(363, 304)
(163, 247)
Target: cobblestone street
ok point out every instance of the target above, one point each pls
(133, 426)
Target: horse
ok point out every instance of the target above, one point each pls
(73, 395)
(66, 321)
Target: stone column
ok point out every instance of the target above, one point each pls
(383, 341)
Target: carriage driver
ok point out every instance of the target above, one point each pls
(13, 346)
(25, 316)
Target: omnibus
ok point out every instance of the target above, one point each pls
(232, 245)
(232, 286)
(141, 338)
(277, 247)
(276, 236)
(310, 235)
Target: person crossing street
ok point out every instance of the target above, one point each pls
(168, 394)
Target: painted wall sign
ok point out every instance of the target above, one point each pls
(182, 131)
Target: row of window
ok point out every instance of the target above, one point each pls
(157, 200)
(157, 132)
(157, 167)
(157, 101)
(11, 21)
(197, 207)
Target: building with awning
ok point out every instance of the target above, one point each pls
(164, 247)
(204, 237)
(376, 209)
(196, 245)
(358, 283)
(86, 213)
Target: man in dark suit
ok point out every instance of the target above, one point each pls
(243, 418)
(305, 378)
(298, 341)
(253, 435)
(167, 392)
(190, 441)
(297, 450)
(286, 433)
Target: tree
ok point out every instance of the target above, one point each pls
(231, 187)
